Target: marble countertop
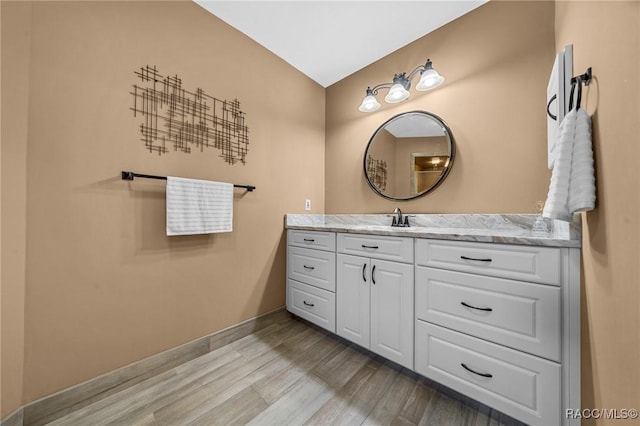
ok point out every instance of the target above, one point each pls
(494, 228)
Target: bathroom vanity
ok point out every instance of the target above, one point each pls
(474, 302)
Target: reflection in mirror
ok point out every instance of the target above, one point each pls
(409, 155)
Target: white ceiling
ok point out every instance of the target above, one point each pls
(415, 126)
(329, 40)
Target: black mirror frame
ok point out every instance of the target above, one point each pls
(440, 179)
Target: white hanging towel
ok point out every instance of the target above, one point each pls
(198, 206)
(572, 187)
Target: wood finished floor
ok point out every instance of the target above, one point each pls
(289, 373)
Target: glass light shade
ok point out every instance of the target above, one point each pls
(430, 79)
(369, 103)
(396, 94)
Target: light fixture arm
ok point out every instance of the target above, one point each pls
(420, 69)
(375, 89)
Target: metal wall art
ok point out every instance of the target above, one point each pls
(377, 172)
(171, 115)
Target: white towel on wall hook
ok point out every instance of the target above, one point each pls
(572, 187)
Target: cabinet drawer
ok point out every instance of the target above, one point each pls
(312, 239)
(526, 263)
(399, 249)
(521, 315)
(314, 267)
(313, 304)
(520, 385)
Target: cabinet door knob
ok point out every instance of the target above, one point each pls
(309, 240)
(311, 268)
(373, 274)
(308, 304)
(364, 277)
(475, 372)
(475, 259)
(476, 308)
(370, 247)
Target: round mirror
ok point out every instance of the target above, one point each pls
(409, 155)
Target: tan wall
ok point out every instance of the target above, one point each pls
(496, 62)
(16, 20)
(496, 114)
(104, 285)
(606, 36)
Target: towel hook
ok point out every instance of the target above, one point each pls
(586, 77)
(576, 81)
(579, 93)
(553, 117)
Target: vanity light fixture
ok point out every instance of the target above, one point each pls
(399, 87)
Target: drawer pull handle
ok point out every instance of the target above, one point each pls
(308, 304)
(475, 307)
(371, 247)
(309, 240)
(364, 267)
(476, 259)
(311, 268)
(373, 274)
(475, 372)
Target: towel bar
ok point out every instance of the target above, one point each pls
(131, 175)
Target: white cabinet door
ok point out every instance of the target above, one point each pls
(375, 306)
(392, 319)
(353, 298)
